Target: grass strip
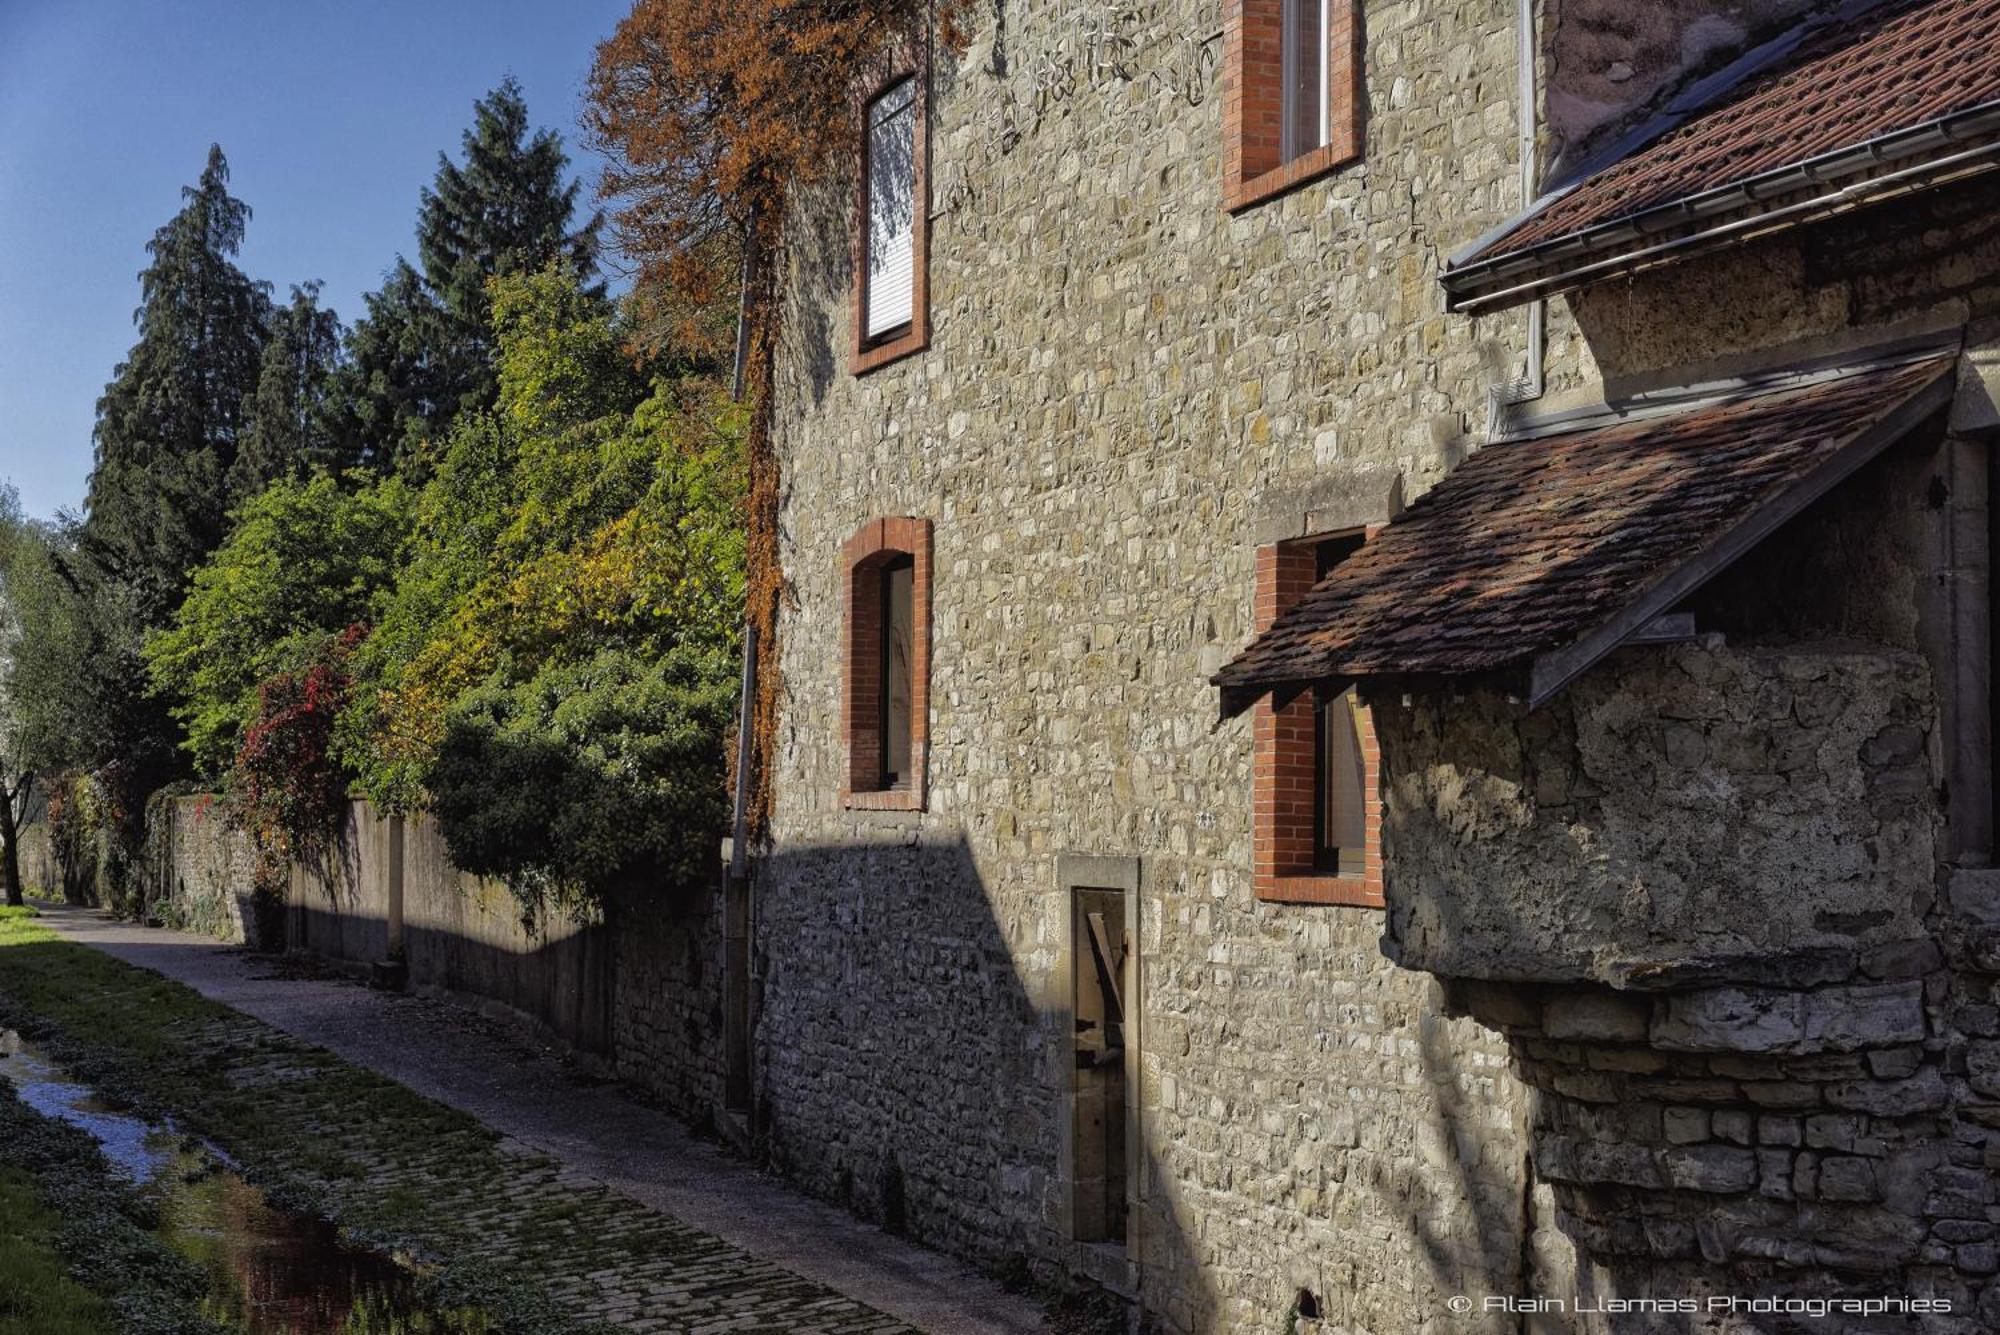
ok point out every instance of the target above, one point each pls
(319, 1135)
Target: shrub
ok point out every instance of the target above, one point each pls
(589, 774)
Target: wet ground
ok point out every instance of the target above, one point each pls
(271, 1271)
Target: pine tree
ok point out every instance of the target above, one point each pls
(172, 418)
(168, 429)
(424, 352)
(288, 428)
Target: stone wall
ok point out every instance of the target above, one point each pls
(1699, 896)
(463, 936)
(203, 871)
(1122, 379)
(1689, 808)
(666, 1016)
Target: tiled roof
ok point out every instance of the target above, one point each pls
(1891, 67)
(1531, 544)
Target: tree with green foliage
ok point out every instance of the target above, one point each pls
(169, 426)
(424, 352)
(17, 775)
(584, 775)
(288, 431)
(305, 560)
(171, 420)
(582, 539)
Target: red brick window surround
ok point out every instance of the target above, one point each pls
(1315, 769)
(885, 714)
(891, 235)
(1291, 94)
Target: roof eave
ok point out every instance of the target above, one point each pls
(1903, 162)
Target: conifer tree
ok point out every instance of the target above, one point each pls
(288, 430)
(424, 352)
(172, 418)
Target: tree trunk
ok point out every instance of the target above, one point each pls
(10, 846)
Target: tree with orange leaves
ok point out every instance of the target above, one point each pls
(710, 113)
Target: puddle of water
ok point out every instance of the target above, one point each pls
(271, 1272)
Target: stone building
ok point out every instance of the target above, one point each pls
(1385, 664)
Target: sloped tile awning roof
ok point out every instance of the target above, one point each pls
(1872, 101)
(1542, 554)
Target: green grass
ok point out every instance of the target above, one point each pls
(37, 1294)
(304, 1125)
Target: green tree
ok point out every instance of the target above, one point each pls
(584, 538)
(305, 560)
(424, 352)
(170, 422)
(288, 430)
(17, 776)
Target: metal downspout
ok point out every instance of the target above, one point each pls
(1500, 398)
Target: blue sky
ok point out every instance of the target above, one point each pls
(332, 113)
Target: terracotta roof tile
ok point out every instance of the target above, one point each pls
(1896, 66)
(1531, 544)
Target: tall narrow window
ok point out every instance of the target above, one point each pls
(886, 709)
(889, 289)
(1291, 94)
(1306, 77)
(1316, 809)
(1340, 778)
(898, 647)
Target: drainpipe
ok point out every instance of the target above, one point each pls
(739, 825)
(743, 306)
(1529, 387)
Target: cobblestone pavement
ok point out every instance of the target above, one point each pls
(611, 1207)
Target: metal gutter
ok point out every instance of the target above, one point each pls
(1695, 98)
(1674, 399)
(1468, 291)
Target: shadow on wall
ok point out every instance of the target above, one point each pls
(915, 1066)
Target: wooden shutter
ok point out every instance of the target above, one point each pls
(892, 199)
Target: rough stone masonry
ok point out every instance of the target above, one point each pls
(1680, 988)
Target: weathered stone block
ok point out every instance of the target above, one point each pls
(1894, 1063)
(1923, 1092)
(1846, 1179)
(1734, 1126)
(1975, 893)
(1867, 1015)
(1597, 1017)
(1780, 1130)
(1686, 1126)
(1781, 1094)
(1712, 1168)
(1830, 1131)
(1730, 1019)
(1982, 1067)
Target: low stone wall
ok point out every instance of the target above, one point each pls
(461, 935)
(202, 873)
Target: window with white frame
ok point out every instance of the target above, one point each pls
(889, 292)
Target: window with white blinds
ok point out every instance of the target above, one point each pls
(1304, 71)
(890, 292)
